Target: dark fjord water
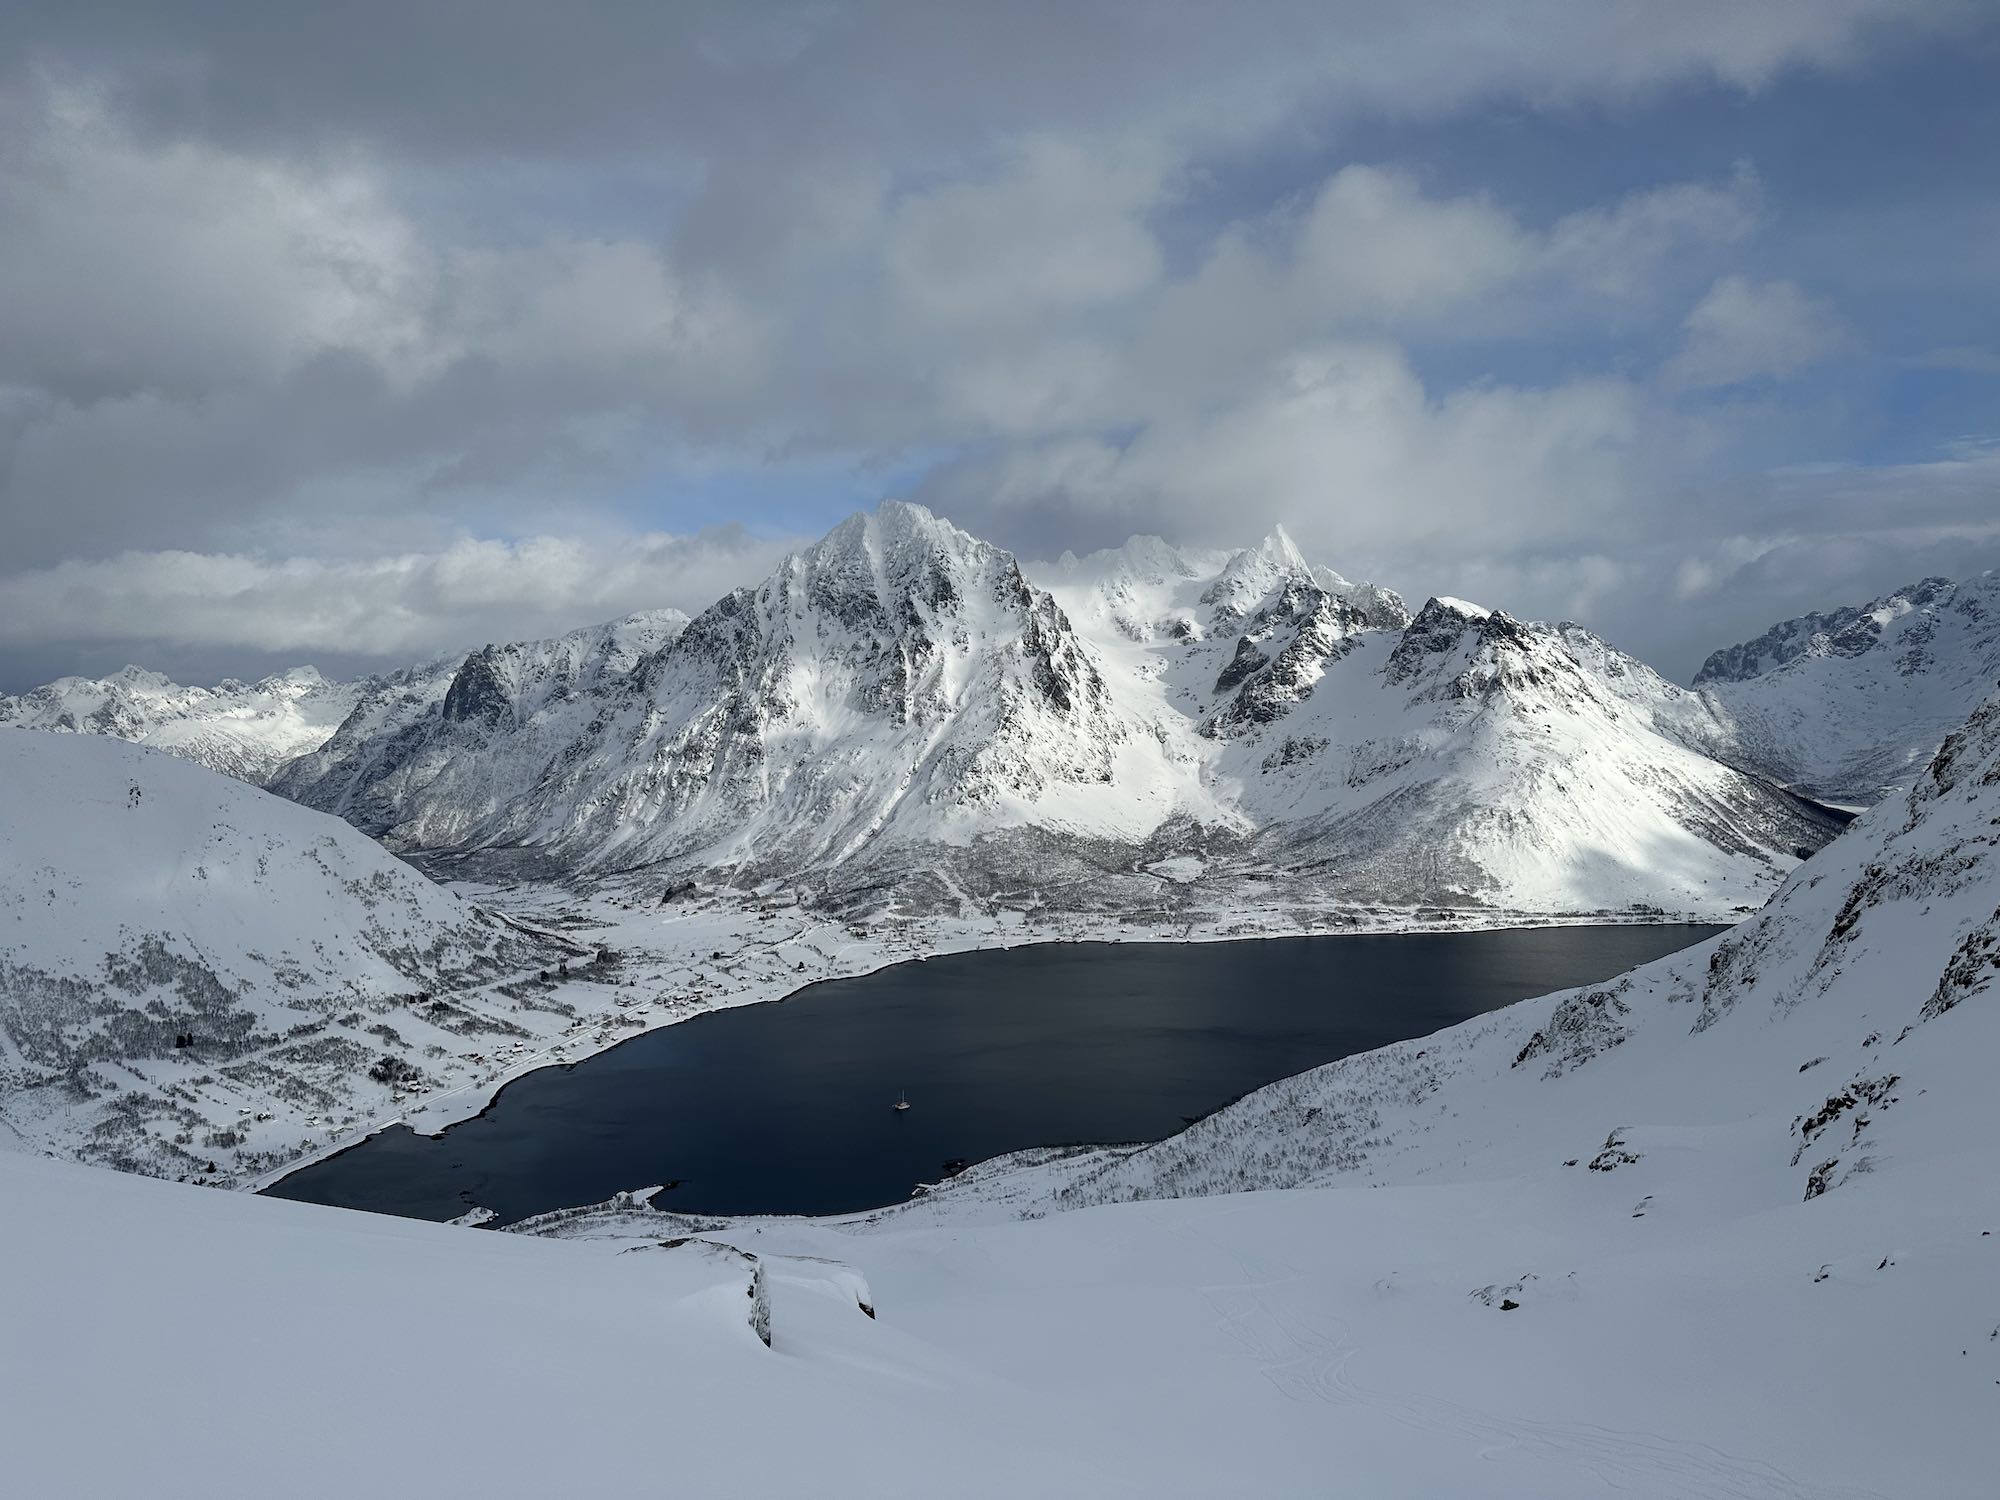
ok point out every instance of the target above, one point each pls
(787, 1107)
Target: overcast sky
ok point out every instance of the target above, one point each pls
(353, 333)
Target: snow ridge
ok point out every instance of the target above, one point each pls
(425, 739)
(898, 713)
(1848, 705)
(247, 730)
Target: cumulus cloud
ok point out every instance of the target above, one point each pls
(1745, 330)
(294, 294)
(1346, 446)
(1056, 231)
(172, 268)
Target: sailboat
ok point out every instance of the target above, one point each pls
(903, 1100)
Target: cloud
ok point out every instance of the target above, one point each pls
(511, 78)
(1746, 330)
(1346, 446)
(228, 341)
(215, 339)
(293, 294)
(1371, 250)
(393, 607)
(173, 269)
(1616, 248)
(1057, 231)
(1970, 359)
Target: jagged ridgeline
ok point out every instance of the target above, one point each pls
(248, 730)
(901, 712)
(904, 714)
(1848, 705)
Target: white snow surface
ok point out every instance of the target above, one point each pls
(899, 713)
(247, 730)
(1455, 759)
(1725, 1226)
(1848, 705)
(181, 953)
(464, 739)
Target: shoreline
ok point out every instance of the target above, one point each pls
(469, 1101)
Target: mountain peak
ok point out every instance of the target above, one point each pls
(895, 524)
(1282, 550)
(1253, 573)
(1463, 608)
(132, 676)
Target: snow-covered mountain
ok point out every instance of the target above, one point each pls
(1459, 757)
(900, 708)
(246, 730)
(897, 684)
(1848, 705)
(177, 947)
(432, 754)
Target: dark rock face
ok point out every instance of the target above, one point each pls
(1496, 652)
(1283, 653)
(1583, 1024)
(478, 694)
(1847, 705)
(1845, 632)
(1438, 628)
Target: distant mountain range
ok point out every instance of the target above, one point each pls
(904, 713)
(247, 730)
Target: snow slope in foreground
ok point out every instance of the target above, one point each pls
(171, 1339)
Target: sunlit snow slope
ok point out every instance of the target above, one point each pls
(1457, 758)
(901, 713)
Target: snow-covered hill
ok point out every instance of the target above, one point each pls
(190, 967)
(1848, 705)
(899, 712)
(247, 730)
(1272, 1344)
